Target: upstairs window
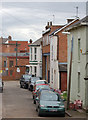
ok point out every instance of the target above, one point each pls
(52, 52)
(78, 49)
(11, 64)
(31, 53)
(4, 63)
(35, 55)
(78, 82)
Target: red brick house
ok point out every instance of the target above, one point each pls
(46, 50)
(14, 62)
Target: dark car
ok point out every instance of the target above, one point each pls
(31, 82)
(24, 80)
(49, 103)
(37, 88)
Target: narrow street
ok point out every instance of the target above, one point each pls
(18, 103)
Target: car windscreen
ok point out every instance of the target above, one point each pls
(26, 76)
(34, 79)
(49, 96)
(42, 87)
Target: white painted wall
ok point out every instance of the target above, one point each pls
(77, 66)
(38, 60)
(54, 82)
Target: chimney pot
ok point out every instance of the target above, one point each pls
(50, 23)
(30, 40)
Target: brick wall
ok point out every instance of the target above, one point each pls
(21, 61)
(62, 47)
(46, 49)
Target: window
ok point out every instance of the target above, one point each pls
(79, 49)
(11, 63)
(31, 69)
(4, 63)
(30, 53)
(52, 52)
(35, 53)
(52, 75)
(35, 50)
(35, 70)
(11, 72)
(78, 82)
(40, 70)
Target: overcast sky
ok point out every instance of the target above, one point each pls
(26, 20)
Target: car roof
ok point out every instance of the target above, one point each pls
(40, 80)
(41, 84)
(48, 91)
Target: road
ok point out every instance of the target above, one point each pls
(18, 103)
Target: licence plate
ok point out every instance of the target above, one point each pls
(54, 110)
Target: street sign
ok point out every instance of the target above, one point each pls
(18, 69)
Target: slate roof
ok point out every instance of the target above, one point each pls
(37, 42)
(80, 22)
(63, 27)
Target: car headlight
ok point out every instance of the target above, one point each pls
(62, 106)
(42, 106)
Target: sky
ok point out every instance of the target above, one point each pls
(26, 20)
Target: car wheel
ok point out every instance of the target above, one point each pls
(39, 114)
(25, 86)
(20, 86)
(36, 109)
(34, 102)
(28, 88)
(33, 96)
(63, 115)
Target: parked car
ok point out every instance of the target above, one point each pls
(49, 103)
(40, 82)
(31, 82)
(24, 80)
(1, 85)
(37, 88)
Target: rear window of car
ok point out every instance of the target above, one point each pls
(26, 76)
(41, 82)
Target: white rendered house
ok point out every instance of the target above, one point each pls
(35, 58)
(79, 86)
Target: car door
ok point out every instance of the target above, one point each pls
(37, 102)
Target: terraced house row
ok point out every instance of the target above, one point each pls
(49, 58)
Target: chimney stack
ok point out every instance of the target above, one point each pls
(30, 40)
(10, 38)
(50, 23)
(69, 20)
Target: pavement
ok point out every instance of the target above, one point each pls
(75, 113)
(0, 106)
(18, 103)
